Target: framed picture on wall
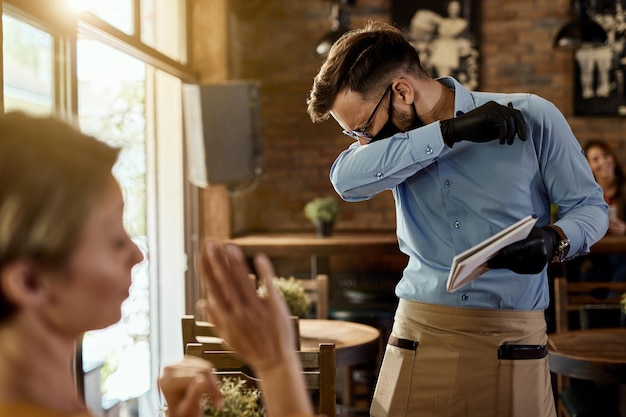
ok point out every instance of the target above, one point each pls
(599, 85)
(445, 34)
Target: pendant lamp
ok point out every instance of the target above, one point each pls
(339, 25)
(581, 31)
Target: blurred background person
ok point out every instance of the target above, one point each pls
(610, 176)
(65, 259)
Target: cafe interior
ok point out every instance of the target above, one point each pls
(207, 99)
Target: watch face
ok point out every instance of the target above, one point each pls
(563, 249)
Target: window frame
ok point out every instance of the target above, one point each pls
(168, 297)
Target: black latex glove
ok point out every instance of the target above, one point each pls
(530, 255)
(486, 123)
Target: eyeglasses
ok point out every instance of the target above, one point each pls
(361, 133)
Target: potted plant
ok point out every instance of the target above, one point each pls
(240, 399)
(322, 211)
(293, 293)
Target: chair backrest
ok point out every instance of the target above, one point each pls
(582, 297)
(204, 333)
(317, 290)
(319, 370)
(200, 332)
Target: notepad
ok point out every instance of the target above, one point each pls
(472, 263)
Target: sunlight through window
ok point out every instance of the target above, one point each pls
(28, 84)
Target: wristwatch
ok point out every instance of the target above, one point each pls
(562, 247)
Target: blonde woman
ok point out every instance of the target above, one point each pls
(65, 268)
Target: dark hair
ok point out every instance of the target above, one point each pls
(619, 171)
(50, 175)
(364, 61)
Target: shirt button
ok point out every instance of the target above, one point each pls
(429, 150)
(447, 183)
(459, 113)
(464, 297)
(457, 224)
(379, 175)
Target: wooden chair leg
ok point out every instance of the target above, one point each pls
(347, 391)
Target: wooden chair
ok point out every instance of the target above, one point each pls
(200, 332)
(319, 370)
(317, 290)
(204, 332)
(578, 301)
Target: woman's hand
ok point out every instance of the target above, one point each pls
(184, 383)
(257, 328)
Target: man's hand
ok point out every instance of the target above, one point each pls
(486, 123)
(530, 255)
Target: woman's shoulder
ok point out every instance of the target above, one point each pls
(28, 410)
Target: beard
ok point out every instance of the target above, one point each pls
(408, 121)
(404, 122)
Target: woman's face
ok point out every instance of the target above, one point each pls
(601, 163)
(88, 292)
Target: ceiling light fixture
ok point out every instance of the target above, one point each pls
(581, 31)
(339, 25)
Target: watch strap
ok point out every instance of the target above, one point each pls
(562, 246)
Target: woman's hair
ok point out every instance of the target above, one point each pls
(598, 143)
(50, 177)
(364, 61)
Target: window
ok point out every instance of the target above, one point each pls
(118, 13)
(160, 30)
(27, 68)
(111, 107)
(127, 93)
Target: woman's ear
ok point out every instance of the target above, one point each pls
(404, 90)
(20, 284)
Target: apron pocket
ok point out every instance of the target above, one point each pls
(524, 386)
(393, 388)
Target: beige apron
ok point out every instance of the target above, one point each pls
(459, 362)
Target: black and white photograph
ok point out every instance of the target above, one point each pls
(445, 36)
(599, 76)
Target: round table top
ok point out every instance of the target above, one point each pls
(354, 342)
(594, 354)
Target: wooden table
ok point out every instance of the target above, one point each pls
(317, 248)
(610, 244)
(594, 354)
(355, 343)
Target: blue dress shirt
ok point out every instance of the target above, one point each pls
(448, 200)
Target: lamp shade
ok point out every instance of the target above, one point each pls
(339, 26)
(581, 32)
(327, 41)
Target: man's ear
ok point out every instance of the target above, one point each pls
(404, 90)
(20, 284)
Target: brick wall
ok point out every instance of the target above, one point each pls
(273, 41)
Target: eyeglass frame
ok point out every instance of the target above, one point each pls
(361, 133)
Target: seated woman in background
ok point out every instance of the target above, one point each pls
(610, 176)
(65, 268)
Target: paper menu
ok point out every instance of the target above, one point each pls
(470, 264)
